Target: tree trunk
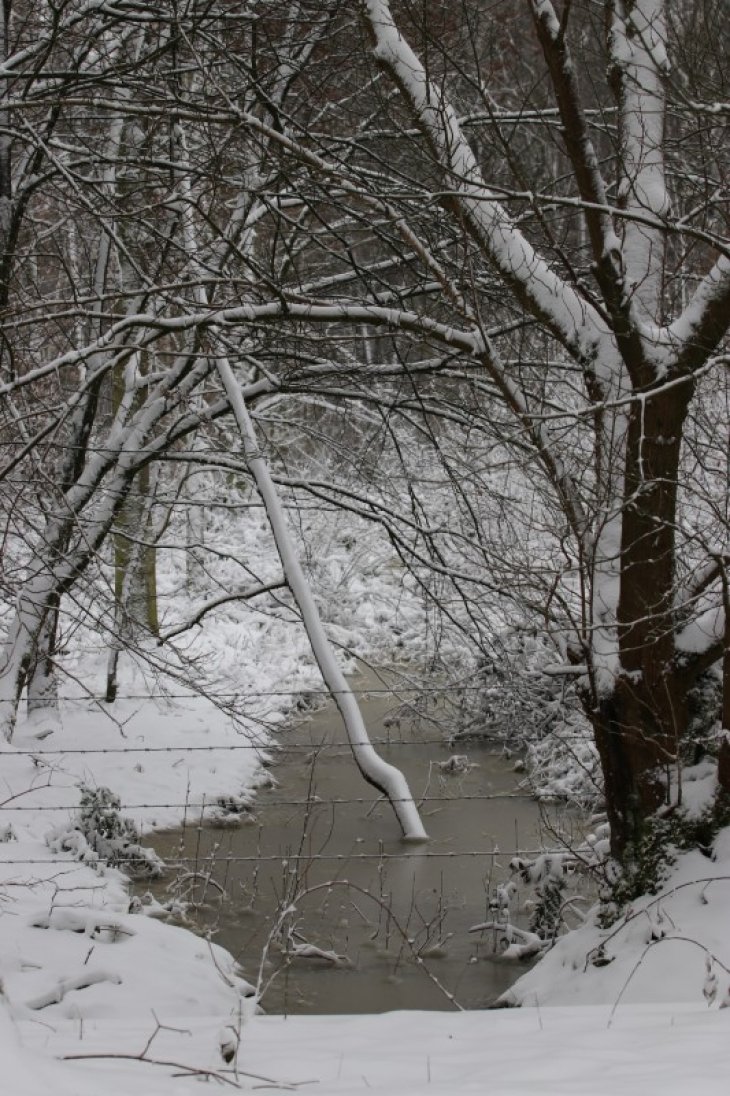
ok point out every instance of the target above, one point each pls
(637, 754)
(135, 577)
(640, 724)
(135, 559)
(42, 680)
(723, 761)
(380, 774)
(194, 532)
(6, 182)
(20, 650)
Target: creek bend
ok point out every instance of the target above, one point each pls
(325, 847)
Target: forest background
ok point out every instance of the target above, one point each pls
(449, 285)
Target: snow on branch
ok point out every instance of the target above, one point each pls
(63, 986)
(704, 634)
(243, 594)
(704, 321)
(605, 244)
(147, 328)
(521, 944)
(702, 578)
(572, 319)
(637, 47)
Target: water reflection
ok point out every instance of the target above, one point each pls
(326, 905)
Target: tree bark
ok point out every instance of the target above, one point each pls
(723, 761)
(640, 724)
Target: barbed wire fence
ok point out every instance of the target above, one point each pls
(268, 750)
(204, 865)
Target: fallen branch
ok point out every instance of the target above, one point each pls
(90, 922)
(305, 950)
(188, 1071)
(520, 943)
(66, 985)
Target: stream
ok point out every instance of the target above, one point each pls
(309, 873)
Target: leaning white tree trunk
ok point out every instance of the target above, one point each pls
(389, 780)
(383, 776)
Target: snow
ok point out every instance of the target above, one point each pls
(575, 321)
(703, 632)
(72, 954)
(82, 975)
(564, 1051)
(667, 1049)
(639, 1019)
(161, 760)
(656, 951)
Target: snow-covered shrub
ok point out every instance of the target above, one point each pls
(548, 874)
(520, 700)
(100, 834)
(563, 762)
(545, 920)
(514, 942)
(654, 856)
(705, 723)
(370, 604)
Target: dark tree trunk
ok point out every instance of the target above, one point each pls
(723, 761)
(637, 750)
(641, 724)
(6, 184)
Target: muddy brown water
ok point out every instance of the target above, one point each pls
(309, 871)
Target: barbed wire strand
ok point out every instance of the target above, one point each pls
(365, 691)
(273, 746)
(287, 858)
(221, 802)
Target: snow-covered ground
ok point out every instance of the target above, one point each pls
(99, 999)
(95, 998)
(640, 1050)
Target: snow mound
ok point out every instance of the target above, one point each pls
(671, 946)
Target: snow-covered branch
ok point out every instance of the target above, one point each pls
(605, 244)
(520, 944)
(704, 635)
(704, 322)
(637, 45)
(571, 318)
(246, 593)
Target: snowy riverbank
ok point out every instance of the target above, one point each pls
(83, 976)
